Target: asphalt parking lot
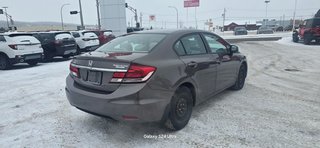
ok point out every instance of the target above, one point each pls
(278, 107)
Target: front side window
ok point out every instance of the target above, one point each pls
(215, 44)
(193, 44)
(133, 43)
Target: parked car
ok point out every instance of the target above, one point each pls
(19, 48)
(86, 40)
(104, 36)
(57, 43)
(308, 31)
(265, 30)
(240, 31)
(155, 75)
(134, 29)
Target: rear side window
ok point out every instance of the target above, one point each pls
(178, 47)
(75, 34)
(2, 39)
(193, 44)
(62, 36)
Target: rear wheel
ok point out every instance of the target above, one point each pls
(241, 78)
(4, 62)
(307, 39)
(180, 109)
(33, 62)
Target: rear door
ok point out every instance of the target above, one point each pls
(227, 69)
(200, 65)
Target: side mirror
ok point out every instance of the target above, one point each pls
(234, 49)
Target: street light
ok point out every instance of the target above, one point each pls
(62, 25)
(5, 11)
(294, 16)
(177, 15)
(266, 1)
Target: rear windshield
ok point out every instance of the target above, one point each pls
(24, 38)
(89, 34)
(133, 43)
(63, 36)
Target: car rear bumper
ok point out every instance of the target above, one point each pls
(26, 57)
(66, 51)
(135, 103)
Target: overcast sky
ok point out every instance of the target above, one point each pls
(245, 10)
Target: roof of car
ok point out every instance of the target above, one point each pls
(169, 31)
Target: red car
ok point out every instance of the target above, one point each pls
(104, 36)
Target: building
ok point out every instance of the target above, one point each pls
(248, 24)
(113, 16)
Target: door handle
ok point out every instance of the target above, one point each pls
(193, 64)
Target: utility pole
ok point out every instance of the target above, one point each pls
(266, 1)
(141, 19)
(224, 18)
(294, 15)
(5, 11)
(81, 16)
(98, 14)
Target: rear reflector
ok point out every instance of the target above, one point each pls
(136, 73)
(74, 71)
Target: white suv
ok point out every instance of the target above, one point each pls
(19, 48)
(86, 40)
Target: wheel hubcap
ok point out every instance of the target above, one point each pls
(2, 63)
(181, 107)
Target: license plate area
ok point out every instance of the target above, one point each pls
(31, 57)
(94, 77)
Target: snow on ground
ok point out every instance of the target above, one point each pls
(277, 108)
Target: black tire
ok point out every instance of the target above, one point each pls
(33, 62)
(180, 109)
(66, 56)
(48, 57)
(241, 78)
(78, 50)
(307, 39)
(295, 38)
(4, 63)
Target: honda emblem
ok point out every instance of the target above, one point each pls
(90, 63)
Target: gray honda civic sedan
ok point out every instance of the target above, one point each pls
(153, 76)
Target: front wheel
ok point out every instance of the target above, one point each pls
(241, 78)
(4, 63)
(180, 109)
(295, 38)
(33, 62)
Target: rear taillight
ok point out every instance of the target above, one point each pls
(74, 71)
(86, 39)
(135, 74)
(13, 46)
